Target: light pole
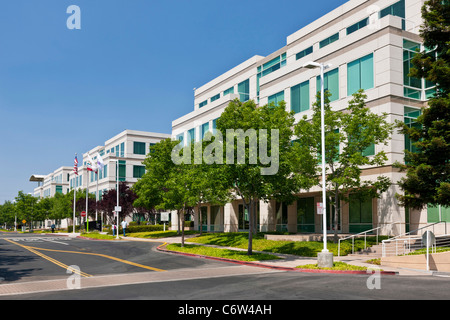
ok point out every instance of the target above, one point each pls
(117, 209)
(325, 258)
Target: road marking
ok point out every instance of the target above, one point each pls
(58, 263)
(105, 256)
(87, 253)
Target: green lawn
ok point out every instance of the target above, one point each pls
(300, 248)
(220, 253)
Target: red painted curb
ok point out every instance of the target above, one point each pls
(257, 264)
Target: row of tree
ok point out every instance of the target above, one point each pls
(271, 158)
(32, 209)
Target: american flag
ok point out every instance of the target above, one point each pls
(75, 165)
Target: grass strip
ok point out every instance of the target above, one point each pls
(220, 253)
(299, 248)
(342, 266)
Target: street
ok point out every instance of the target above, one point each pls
(34, 267)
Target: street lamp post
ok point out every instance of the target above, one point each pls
(325, 258)
(117, 193)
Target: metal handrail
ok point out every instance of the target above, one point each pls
(365, 238)
(407, 242)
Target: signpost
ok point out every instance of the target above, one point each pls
(428, 239)
(319, 208)
(165, 218)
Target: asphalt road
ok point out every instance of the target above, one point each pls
(129, 270)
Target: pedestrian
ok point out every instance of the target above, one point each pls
(113, 227)
(124, 226)
(53, 228)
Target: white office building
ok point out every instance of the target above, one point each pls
(370, 44)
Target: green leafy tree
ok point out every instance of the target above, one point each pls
(348, 135)
(427, 178)
(26, 206)
(254, 174)
(7, 213)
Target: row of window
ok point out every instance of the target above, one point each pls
(396, 9)
(360, 75)
(139, 147)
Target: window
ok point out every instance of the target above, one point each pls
(214, 126)
(228, 91)
(59, 189)
(216, 97)
(331, 83)
(204, 129)
(243, 218)
(269, 67)
(359, 25)
(410, 116)
(281, 216)
(304, 53)
(122, 149)
(202, 104)
(305, 215)
(276, 98)
(360, 214)
(138, 171)
(300, 97)
(438, 213)
(180, 137)
(122, 170)
(191, 136)
(360, 74)
(139, 147)
(413, 86)
(329, 40)
(397, 9)
(272, 65)
(244, 90)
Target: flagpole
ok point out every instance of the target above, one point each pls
(75, 192)
(96, 197)
(87, 198)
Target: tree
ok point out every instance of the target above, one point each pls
(348, 136)
(25, 207)
(109, 201)
(259, 165)
(7, 213)
(427, 178)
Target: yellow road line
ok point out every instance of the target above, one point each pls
(103, 256)
(58, 263)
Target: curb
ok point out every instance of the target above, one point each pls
(262, 265)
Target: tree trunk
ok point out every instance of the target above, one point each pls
(337, 209)
(179, 219)
(199, 216)
(182, 226)
(250, 228)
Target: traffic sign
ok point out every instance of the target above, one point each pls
(117, 208)
(319, 208)
(24, 221)
(83, 213)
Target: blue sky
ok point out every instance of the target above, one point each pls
(133, 65)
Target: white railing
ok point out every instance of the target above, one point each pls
(364, 233)
(411, 241)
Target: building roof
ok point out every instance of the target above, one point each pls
(37, 178)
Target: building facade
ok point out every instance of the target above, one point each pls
(127, 150)
(369, 44)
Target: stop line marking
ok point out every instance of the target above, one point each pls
(38, 239)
